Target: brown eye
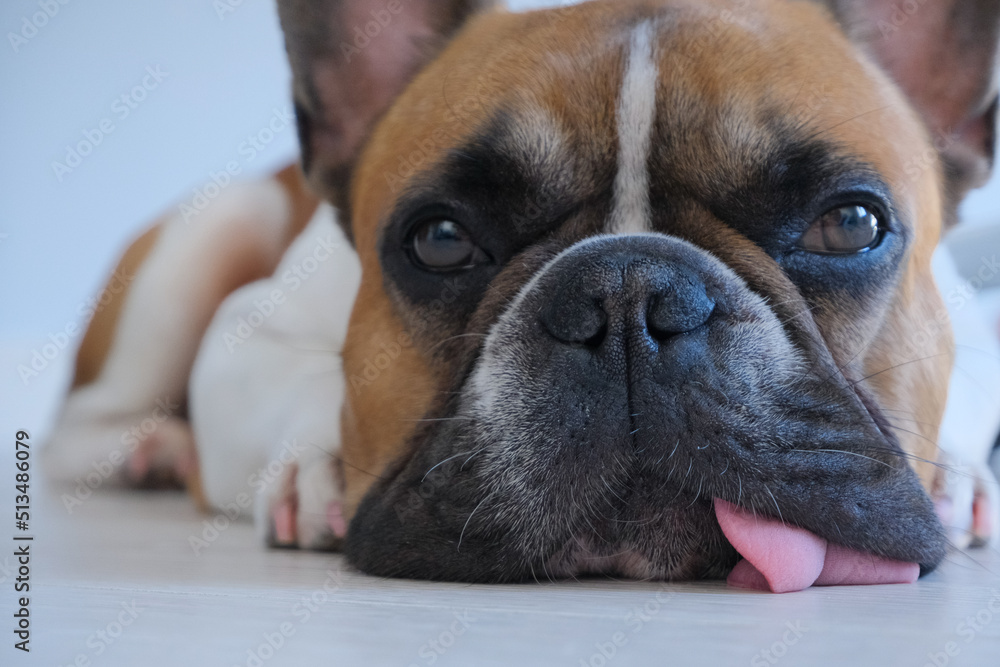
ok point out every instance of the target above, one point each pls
(843, 231)
(442, 245)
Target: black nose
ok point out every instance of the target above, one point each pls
(621, 289)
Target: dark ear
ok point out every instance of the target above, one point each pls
(350, 59)
(943, 54)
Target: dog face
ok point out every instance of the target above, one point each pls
(620, 259)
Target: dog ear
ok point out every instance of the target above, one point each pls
(943, 54)
(350, 59)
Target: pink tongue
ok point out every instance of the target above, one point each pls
(781, 558)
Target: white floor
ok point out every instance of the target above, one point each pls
(127, 558)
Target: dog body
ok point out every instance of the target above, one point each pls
(617, 261)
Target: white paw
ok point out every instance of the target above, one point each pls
(967, 498)
(145, 448)
(302, 508)
(986, 509)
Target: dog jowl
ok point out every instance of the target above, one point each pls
(691, 244)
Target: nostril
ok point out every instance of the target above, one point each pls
(576, 321)
(598, 337)
(675, 312)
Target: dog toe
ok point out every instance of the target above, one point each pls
(283, 522)
(985, 509)
(166, 458)
(305, 508)
(967, 499)
(318, 491)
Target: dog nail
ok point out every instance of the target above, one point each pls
(284, 524)
(138, 466)
(981, 519)
(335, 517)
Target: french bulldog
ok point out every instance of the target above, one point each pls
(606, 276)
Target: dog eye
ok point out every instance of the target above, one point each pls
(443, 245)
(843, 231)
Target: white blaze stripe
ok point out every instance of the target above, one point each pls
(636, 113)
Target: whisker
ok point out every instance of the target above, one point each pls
(912, 421)
(898, 453)
(899, 365)
(441, 463)
(820, 132)
(472, 456)
(843, 451)
(697, 494)
(972, 348)
(604, 481)
(453, 338)
(337, 457)
(775, 503)
(462, 534)
(919, 435)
